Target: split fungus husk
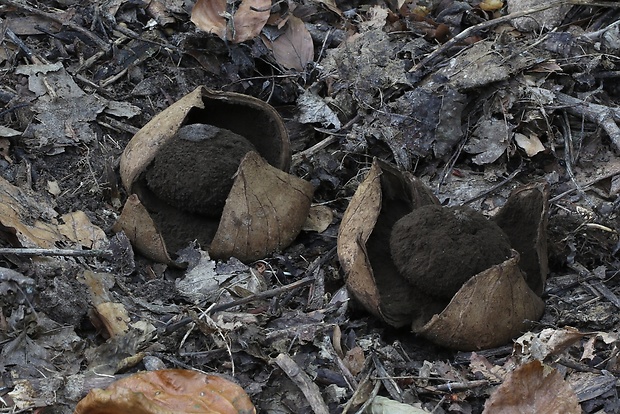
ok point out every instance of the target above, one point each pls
(256, 219)
(264, 212)
(488, 310)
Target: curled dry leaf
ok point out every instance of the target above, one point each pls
(533, 388)
(168, 391)
(265, 210)
(465, 320)
(247, 21)
(293, 49)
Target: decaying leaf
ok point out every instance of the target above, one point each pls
(264, 212)
(319, 218)
(331, 5)
(112, 315)
(489, 140)
(168, 391)
(78, 228)
(533, 388)
(548, 342)
(209, 16)
(28, 222)
(249, 19)
(293, 49)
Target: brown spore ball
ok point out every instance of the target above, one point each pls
(439, 248)
(194, 171)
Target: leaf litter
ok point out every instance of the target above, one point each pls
(475, 100)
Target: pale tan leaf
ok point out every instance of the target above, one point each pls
(531, 145)
(250, 18)
(78, 228)
(533, 388)
(319, 218)
(208, 15)
(294, 48)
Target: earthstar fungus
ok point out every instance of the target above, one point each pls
(455, 277)
(188, 171)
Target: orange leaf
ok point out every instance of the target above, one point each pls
(168, 391)
(533, 388)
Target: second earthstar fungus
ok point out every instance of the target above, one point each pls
(456, 278)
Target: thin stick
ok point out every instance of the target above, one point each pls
(54, 252)
(495, 187)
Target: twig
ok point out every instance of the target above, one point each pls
(300, 156)
(601, 115)
(54, 252)
(495, 187)
(308, 280)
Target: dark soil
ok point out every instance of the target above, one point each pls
(439, 248)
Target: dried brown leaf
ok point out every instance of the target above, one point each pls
(20, 214)
(294, 48)
(249, 19)
(533, 388)
(78, 228)
(490, 309)
(208, 15)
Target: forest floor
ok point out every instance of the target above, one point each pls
(477, 100)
